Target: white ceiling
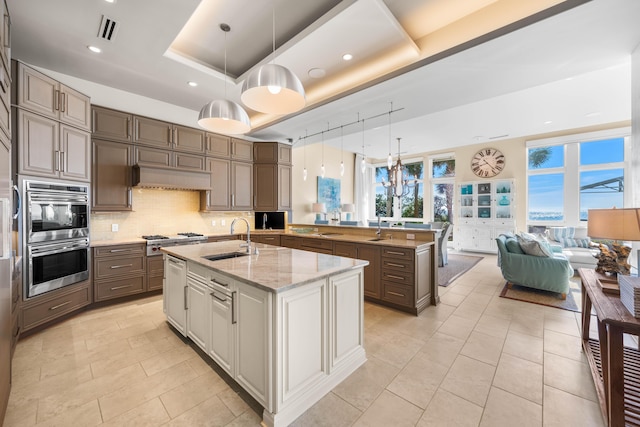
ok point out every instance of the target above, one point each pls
(571, 69)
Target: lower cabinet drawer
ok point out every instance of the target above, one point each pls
(397, 264)
(118, 266)
(397, 294)
(154, 283)
(118, 288)
(398, 276)
(36, 314)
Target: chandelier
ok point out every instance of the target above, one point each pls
(399, 181)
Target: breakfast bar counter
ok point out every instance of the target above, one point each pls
(287, 325)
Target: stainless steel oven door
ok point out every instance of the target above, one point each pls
(56, 216)
(56, 264)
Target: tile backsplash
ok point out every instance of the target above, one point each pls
(162, 212)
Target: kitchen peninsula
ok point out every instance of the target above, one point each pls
(285, 324)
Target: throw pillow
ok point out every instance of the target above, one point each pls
(559, 233)
(533, 246)
(513, 246)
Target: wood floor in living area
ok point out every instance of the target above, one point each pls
(474, 360)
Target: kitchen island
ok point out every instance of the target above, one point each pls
(285, 324)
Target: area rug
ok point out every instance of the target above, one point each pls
(551, 299)
(456, 266)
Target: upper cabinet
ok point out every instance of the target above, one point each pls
(188, 139)
(218, 145)
(241, 150)
(152, 132)
(43, 95)
(272, 176)
(111, 124)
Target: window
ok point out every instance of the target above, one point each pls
(570, 175)
(443, 172)
(411, 204)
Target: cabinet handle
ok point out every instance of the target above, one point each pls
(396, 253)
(392, 264)
(56, 99)
(129, 197)
(19, 204)
(208, 143)
(63, 100)
(128, 127)
(395, 293)
(185, 298)
(121, 266)
(56, 161)
(233, 200)
(233, 310)
(395, 277)
(17, 332)
(208, 198)
(117, 250)
(226, 285)
(218, 298)
(62, 161)
(55, 307)
(115, 288)
(173, 261)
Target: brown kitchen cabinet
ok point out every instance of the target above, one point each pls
(111, 124)
(241, 150)
(269, 239)
(55, 304)
(316, 245)
(167, 158)
(188, 139)
(219, 197)
(272, 176)
(292, 242)
(241, 186)
(119, 270)
(370, 253)
(218, 145)
(51, 149)
(39, 93)
(111, 173)
(151, 132)
(155, 273)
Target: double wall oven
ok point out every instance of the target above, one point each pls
(55, 235)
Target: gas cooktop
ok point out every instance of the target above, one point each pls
(157, 241)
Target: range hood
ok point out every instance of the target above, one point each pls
(148, 176)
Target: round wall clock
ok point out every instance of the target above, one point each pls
(487, 162)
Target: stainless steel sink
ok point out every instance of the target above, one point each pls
(330, 234)
(377, 239)
(227, 255)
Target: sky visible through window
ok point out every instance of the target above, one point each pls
(602, 188)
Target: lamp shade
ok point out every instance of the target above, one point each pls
(273, 89)
(319, 207)
(348, 207)
(614, 224)
(224, 116)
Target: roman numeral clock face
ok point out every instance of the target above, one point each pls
(487, 162)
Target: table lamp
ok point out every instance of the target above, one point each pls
(348, 208)
(319, 209)
(617, 225)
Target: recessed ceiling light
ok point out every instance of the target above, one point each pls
(94, 49)
(317, 73)
(192, 84)
(347, 57)
(593, 114)
(548, 122)
(110, 1)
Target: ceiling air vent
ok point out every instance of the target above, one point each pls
(108, 28)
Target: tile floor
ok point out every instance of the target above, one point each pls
(474, 360)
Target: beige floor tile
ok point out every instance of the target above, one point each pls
(492, 325)
(247, 419)
(524, 346)
(21, 414)
(442, 349)
(483, 347)
(80, 394)
(84, 415)
(192, 393)
(457, 326)
(439, 312)
(504, 409)
(569, 375)
(395, 349)
(165, 360)
(447, 409)
(462, 289)
(150, 413)
(470, 379)
(128, 397)
(452, 299)
(562, 324)
(212, 412)
(528, 324)
(389, 410)
(469, 311)
(563, 345)
(562, 409)
(330, 411)
(520, 377)
(364, 386)
(119, 335)
(419, 380)
(232, 400)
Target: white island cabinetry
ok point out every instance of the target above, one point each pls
(287, 339)
(175, 291)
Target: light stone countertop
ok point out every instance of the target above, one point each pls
(274, 268)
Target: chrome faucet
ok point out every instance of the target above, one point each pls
(248, 244)
(264, 221)
(378, 232)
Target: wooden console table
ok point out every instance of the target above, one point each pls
(615, 368)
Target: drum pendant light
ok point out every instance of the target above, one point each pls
(273, 88)
(222, 115)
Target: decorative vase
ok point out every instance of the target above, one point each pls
(504, 201)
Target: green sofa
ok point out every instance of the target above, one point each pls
(546, 273)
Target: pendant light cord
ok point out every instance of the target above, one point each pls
(273, 30)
